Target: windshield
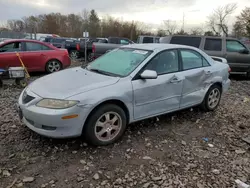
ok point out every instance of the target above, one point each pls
(119, 62)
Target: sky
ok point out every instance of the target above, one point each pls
(152, 12)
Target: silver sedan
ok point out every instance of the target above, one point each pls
(126, 85)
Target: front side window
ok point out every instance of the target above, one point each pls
(119, 62)
(191, 59)
(213, 45)
(234, 46)
(165, 62)
(122, 41)
(11, 47)
(32, 46)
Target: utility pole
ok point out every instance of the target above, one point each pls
(183, 21)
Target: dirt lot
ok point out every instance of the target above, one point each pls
(184, 149)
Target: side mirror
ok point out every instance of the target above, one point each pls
(149, 74)
(245, 51)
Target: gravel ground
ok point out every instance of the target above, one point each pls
(184, 149)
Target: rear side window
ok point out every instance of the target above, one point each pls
(213, 44)
(189, 41)
(148, 40)
(32, 46)
(192, 60)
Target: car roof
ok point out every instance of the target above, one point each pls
(200, 36)
(22, 40)
(156, 46)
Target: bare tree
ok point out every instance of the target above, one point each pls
(170, 26)
(197, 31)
(242, 25)
(217, 21)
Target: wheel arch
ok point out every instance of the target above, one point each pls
(117, 102)
(52, 60)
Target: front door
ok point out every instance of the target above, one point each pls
(8, 55)
(238, 62)
(160, 95)
(196, 71)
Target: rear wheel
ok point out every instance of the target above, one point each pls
(90, 57)
(53, 66)
(105, 126)
(73, 54)
(212, 98)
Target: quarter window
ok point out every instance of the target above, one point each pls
(213, 44)
(189, 41)
(165, 62)
(192, 60)
(234, 46)
(148, 40)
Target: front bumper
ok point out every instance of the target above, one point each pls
(49, 122)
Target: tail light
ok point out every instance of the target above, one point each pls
(78, 47)
(93, 48)
(66, 52)
(229, 69)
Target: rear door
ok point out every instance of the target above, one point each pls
(238, 61)
(195, 70)
(8, 54)
(35, 56)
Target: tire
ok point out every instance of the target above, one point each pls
(91, 130)
(53, 66)
(74, 54)
(1, 83)
(90, 57)
(23, 82)
(207, 105)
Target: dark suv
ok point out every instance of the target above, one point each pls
(236, 53)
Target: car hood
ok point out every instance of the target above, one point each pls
(69, 82)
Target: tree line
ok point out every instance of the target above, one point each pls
(73, 25)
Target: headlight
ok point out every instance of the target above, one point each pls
(56, 103)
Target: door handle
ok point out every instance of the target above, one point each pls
(208, 73)
(175, 80)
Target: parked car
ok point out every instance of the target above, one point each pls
(129, 84)
(236, 53)
(100, 48)
(90, 41)
(148, 39)
(36, 55)
(58, 41)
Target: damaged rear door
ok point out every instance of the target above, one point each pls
(197, 73)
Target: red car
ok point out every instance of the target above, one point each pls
(36, 55)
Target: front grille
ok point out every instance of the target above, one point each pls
(27, 98)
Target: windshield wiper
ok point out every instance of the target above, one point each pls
(101, 72)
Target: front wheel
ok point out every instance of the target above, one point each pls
(105, 126)
(212, 98)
